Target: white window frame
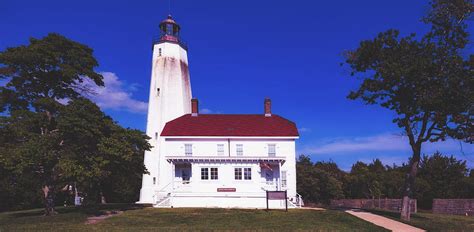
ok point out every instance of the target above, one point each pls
(239, 149)
(188, 149)
(238, 174)
(242, 173)
(214, 173)
(247, 173)
(284, 179)
(206, 172)
(220, 149)
(271, 150)
(209, 173)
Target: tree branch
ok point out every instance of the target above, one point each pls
(430, 132)
(426, 116)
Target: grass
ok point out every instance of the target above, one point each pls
(433, 222)
(184, 219)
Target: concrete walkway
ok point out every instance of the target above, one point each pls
(384, 222)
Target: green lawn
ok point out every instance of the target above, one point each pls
(434, 222)
(148, 219)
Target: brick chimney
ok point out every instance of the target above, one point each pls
(194, 107)
(267, 105)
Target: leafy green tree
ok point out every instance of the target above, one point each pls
(319, 183)
(46, 143)
(444, 177)
(427, 82)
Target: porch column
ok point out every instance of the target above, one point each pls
(279, 175)
(172, 181)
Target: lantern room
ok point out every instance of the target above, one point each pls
(169, 30)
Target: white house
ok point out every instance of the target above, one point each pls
(210, 160)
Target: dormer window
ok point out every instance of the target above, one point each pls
(271, 150)
(188, 149)
(220, 149)
(239, 149)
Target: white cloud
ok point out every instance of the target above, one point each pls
(388, 142)
(115, 94)
(206, 111)
(304, 129)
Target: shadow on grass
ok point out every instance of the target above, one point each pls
(91, 210)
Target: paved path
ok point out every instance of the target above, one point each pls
(384, 222)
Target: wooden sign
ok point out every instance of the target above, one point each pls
(226, 189)
(276, 195)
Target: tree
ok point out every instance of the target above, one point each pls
(427, 82)
(444, 177)
(56, 144)
(319, 183)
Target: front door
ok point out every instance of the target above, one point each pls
(269, 176)
(185, 175)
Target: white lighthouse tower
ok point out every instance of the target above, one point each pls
(170, 97)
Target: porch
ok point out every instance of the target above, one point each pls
(222, 181)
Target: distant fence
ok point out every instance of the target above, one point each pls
(385, 204)
(454, 206)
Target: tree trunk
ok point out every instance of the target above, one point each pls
(48, 197)
(410, 182)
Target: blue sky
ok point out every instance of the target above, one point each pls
(239, 53)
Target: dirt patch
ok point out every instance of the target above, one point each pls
(97, 219)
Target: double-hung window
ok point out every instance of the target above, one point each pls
(239, 149)
(214, 173)
(188, 149)
(220, 149)
(271, 150)
(247, 173)
(238, 173)
(204, 173)
(283, 179)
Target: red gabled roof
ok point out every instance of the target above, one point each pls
(230, 125)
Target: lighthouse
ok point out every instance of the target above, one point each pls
(170, 98)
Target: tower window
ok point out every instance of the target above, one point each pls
(156, 135)
(154, 180)
(159, 51)
(157, 91)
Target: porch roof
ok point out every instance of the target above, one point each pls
(224, 159)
